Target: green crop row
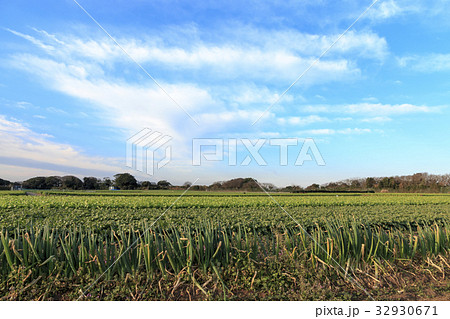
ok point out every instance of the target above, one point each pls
(97, 212)
(230, 201)
(208, 247)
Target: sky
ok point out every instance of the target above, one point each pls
(74, 90)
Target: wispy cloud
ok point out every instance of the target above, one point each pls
(426, 63)
(23, 147)
(379, 110)
(377, 119)
(78, 68)
(302, 121)
(247, 53)
(432, 13)
(389, 109)
(235, 69)
(329, 131)
(33, 40)
(386, 9)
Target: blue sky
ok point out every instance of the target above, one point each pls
(376, 104)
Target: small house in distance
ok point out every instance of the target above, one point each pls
(113, 188)
(16, 187)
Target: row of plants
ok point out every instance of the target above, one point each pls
(44, 251)
(210, 201)
(119, 212)
(260, 218)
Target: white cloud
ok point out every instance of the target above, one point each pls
(251, 94)
(354, 131)
(131, 107)
(378, 110)
(329, 131)
(231, 62)
(246, 53)
(368, 45)
(33, 40)
(433, 12)
(237, 42)
(389, 109)
(231, 116)
(377, 119)
(24, 147)
(16, 173)
(89, 68)
(385, 9)
(302, 121)
(426, 63)
(355, 43)
(370, 99)
(343, 119)
(127, 106)
(56, 110)
(323, 131)
(23, 105)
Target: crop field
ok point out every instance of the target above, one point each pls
(156, 245)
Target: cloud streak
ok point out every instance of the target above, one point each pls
(428, 63)
(379, 110)
(22, 147)
(252, 54)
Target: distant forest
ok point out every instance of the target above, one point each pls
(419, 182)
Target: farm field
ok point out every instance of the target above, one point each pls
(219, 245)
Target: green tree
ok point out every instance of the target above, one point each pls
(313, 187)
(125, 181)
(53, 182)
(106, 183)
(91, 183)
(35, 183)
(164, 184)
(71, 182)
(370, 182)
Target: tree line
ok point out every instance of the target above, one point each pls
(123, 181)
(419, 182)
